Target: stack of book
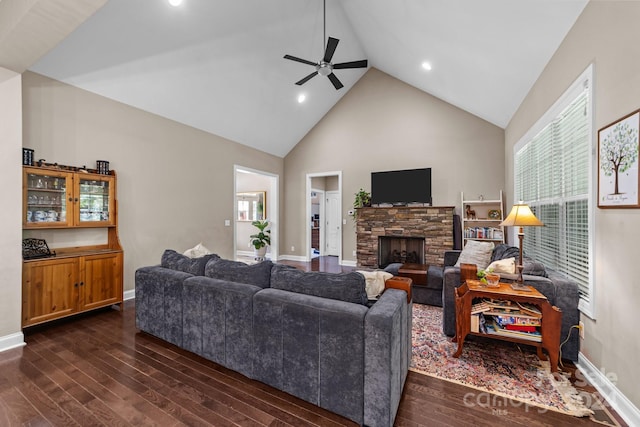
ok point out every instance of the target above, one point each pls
(506, 318)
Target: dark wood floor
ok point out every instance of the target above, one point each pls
(98, 369)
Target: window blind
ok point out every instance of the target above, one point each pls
(552, 175)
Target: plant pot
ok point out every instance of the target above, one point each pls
(258, 254)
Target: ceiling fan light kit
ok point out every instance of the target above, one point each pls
(325, 67)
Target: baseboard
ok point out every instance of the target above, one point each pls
(8, 342)
(129, 294)
(349, 263)
(618, 401)
(292, 258)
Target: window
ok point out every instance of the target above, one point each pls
(552, 172)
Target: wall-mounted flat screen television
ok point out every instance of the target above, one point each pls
(401, 187)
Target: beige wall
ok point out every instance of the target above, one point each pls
(606, 34)
(384, 124)
(11, 212)
(175, 183)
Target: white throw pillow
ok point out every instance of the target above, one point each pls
(197, 251)
(374, 282)
(476, 252)
(507, 265)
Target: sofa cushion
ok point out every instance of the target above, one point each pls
(475, 252)
(349, 287)
(235, 271)
(175, 261)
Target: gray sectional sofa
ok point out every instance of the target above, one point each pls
(559, 290)
(313, 335)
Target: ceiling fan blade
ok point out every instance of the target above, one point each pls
(336, 83)
(306, 79)
(331, 48)
(304, 61)
(353, 64)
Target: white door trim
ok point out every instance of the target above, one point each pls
(308, 211)
(273, 208)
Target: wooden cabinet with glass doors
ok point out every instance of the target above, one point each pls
(54, 199)
(78, 278)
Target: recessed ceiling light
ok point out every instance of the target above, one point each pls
(426, 66)
(301, 98)
(175, 2)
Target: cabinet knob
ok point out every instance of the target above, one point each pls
(81, 283)
(75, 285)
(75, 200)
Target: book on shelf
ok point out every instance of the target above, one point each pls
(518, 320)
(494, 328)
(509, 308)
(475, 323)
(530, 309)
(480, 307)
(520, 328)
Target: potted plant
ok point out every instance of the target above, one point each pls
(260, 240)
(362, 199)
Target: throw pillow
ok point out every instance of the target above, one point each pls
(197, 251)
(476, 252)
(349, 287)
(529, 265)
(374, 282)
(507, 265)
(175, 261)
(235, 271)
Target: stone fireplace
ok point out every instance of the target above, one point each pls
(433, 225)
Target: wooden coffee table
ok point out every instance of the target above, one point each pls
(416, 272)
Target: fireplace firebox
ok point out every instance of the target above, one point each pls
(400, 250)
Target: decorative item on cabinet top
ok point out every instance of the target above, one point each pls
(36, 248)
(27, 157)
(42, 163)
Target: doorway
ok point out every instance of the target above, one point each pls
(329, 214)
(317, 222)
(255, 197)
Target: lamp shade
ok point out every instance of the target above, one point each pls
(521, 216)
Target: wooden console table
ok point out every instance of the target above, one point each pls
(550, 321)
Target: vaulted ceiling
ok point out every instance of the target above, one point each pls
(217, 65)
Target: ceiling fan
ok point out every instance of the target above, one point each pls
(325, 67)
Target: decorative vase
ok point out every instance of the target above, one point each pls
(258, 254)
(493, 280)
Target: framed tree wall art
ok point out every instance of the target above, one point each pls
(618, 179)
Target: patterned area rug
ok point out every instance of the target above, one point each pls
(493, 366)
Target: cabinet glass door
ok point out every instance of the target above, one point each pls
(95, 201)
(45, 199)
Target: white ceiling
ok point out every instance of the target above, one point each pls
(217, 65)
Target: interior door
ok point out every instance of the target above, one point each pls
(332, 221)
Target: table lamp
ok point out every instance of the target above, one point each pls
(520, 216)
